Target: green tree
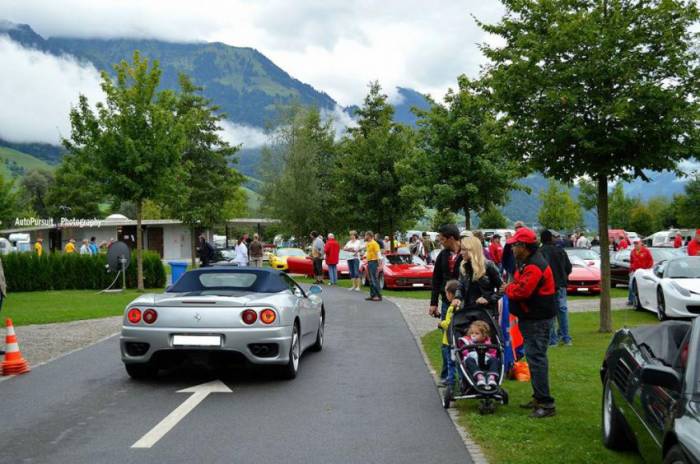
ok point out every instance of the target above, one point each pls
(688, 212)
(462, 166)
(641, 220)
(559, 211)
(206, 179)
(368, 177)
(34, 188)
(133, 141)
(492, 218)
(75, 191)
(661, 210)
(442, 216)
(296, 169)
(588, 195)
(620, 206)
(597, 88)
(9, 206)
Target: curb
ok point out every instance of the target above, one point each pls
(474, 450)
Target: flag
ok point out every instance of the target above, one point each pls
(512, 338)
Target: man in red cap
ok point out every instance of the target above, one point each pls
(640, 258)
(678, 240)
(532, 295)
(624, 244)
(694, 245)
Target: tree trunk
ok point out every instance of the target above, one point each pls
(139, 245)
(391, 235)
(193, 246)
(605, 313)
(467, 219)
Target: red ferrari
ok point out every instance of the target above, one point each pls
(304, 265)
(583, 278)
(401, 271)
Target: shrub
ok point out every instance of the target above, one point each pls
(26, 272)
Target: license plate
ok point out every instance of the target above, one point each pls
(585, 290)
(419, 285)
(196, 340)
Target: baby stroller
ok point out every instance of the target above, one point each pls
(466, 387)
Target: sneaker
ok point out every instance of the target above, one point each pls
(357, 289)
(492, 381)
(480, 382)
(531, 405)
(541, 413)
(369, 298)
(351, 289)
(568, 343)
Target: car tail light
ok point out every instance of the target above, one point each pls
(150, 316)
(249, 316)
(134, 315)
(268, 316)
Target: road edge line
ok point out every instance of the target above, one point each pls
(473, 448)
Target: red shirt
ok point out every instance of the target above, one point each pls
(678, 242)
(496, 251)
(623, 245)
(694, 248)
(332, 250)
(641, 259)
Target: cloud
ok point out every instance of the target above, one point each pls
(249, 137)
(337, 47)
(340, 119)
(37, 91)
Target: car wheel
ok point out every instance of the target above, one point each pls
(660, 305)
(141, 371)
(289, 370)
(612, 422)
(635, 293)
(318, 345)
(675, 456)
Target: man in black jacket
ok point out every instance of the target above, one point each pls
(559, 261)
(446, 268)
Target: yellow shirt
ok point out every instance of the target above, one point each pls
(445, 324)
(70, 248)
(38, 248)
(372, 251)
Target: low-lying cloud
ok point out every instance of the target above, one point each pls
(37, 90)
(239, 134)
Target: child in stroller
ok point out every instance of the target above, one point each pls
(475, 356)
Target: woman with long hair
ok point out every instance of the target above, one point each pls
(354, 246)
(479, 279)
(241, 257)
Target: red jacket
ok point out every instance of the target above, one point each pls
(678, 241)
(496, 251)
(332, 250)
(623, 245)
(533, 289)
(641, 259)
(694, 248)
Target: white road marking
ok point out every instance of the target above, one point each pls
(199, 393)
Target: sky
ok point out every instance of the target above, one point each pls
(336, 46)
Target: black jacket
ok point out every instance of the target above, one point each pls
(441, 274)
(559, 261)
(487, 286)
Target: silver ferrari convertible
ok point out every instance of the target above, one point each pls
(223, 315)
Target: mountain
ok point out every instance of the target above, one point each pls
(15, 164)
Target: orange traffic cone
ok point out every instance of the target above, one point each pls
(14, 363)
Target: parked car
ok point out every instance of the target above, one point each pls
(590, 257)
(620, 263)
(304, 265)
(584, 278)
(278, 260)
(400, 270)
(651, 392)
(223, 315)
(670, 289)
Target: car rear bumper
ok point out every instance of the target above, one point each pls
(140, 344)
(592, 288)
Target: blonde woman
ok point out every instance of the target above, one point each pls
(479, 279)
(354, 246)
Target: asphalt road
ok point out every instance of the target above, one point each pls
(366, 398)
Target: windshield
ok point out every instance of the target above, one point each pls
(399, 259)
(290, 252)
(583, 253)
(662, 254)
(210, 281)
(686, 268)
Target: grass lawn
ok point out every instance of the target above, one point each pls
(345, 283)
(66, 305)
(509, 436)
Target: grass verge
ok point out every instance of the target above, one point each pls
(67, 305)
(573, 436)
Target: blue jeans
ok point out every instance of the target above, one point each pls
(372, 268)
(451, 368)
(333, 273)
(562, 318)
(445, 354)
(536, 337)
(354, 268)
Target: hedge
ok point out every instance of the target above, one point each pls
(26, 272)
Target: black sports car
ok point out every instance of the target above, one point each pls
(651, 392)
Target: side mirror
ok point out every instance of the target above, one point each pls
(661, 376)
(315, 290)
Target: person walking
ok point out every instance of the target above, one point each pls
(255, 251)
(39, 246)
(94, 249)
(479, 279)
(85, 247)
(583, 242)
(428, 247)
(640, 258)
(446, 268)
(317, 255)
(70, 247)
(205, 251)
(353, 246)
(623, 244)
(560, 263)
(332, 252)
(241, 257)
(532, 295)
(373, 257)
